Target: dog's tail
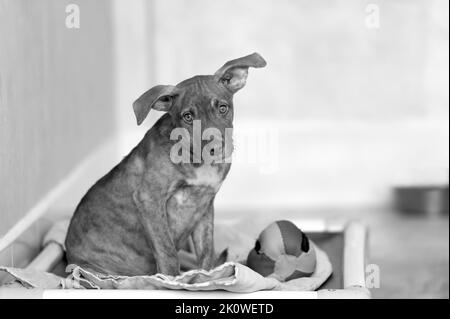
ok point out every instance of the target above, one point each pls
(221, 258)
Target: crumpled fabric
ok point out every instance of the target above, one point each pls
(230, 276)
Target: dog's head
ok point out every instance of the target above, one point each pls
(205, 99)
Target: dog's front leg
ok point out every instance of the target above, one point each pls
(153, 216)
(203, 238)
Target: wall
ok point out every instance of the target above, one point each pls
(56, 96)
(354, 110)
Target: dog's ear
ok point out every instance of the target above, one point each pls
(234, 73)
(160, 97)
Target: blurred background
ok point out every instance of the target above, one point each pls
(348, 120)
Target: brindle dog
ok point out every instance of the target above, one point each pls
(134, 220)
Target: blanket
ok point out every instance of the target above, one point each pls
(232, 276)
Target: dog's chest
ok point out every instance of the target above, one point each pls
(189, 203)
(199, 187)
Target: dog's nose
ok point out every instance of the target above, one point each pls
(211, 152)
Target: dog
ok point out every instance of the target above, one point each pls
(134, 220)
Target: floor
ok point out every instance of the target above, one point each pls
(412, 252)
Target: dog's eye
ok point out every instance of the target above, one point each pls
(223, 109)
(188, 117)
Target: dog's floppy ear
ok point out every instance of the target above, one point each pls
(234, 73)
(160, 97)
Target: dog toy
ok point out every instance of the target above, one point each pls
(283, 252)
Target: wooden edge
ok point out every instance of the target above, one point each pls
(48, 258)
(355, 256)
(321, 225)
(172, 294)
(355, 292)
(21, 293)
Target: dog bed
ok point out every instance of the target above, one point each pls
(232, 276)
